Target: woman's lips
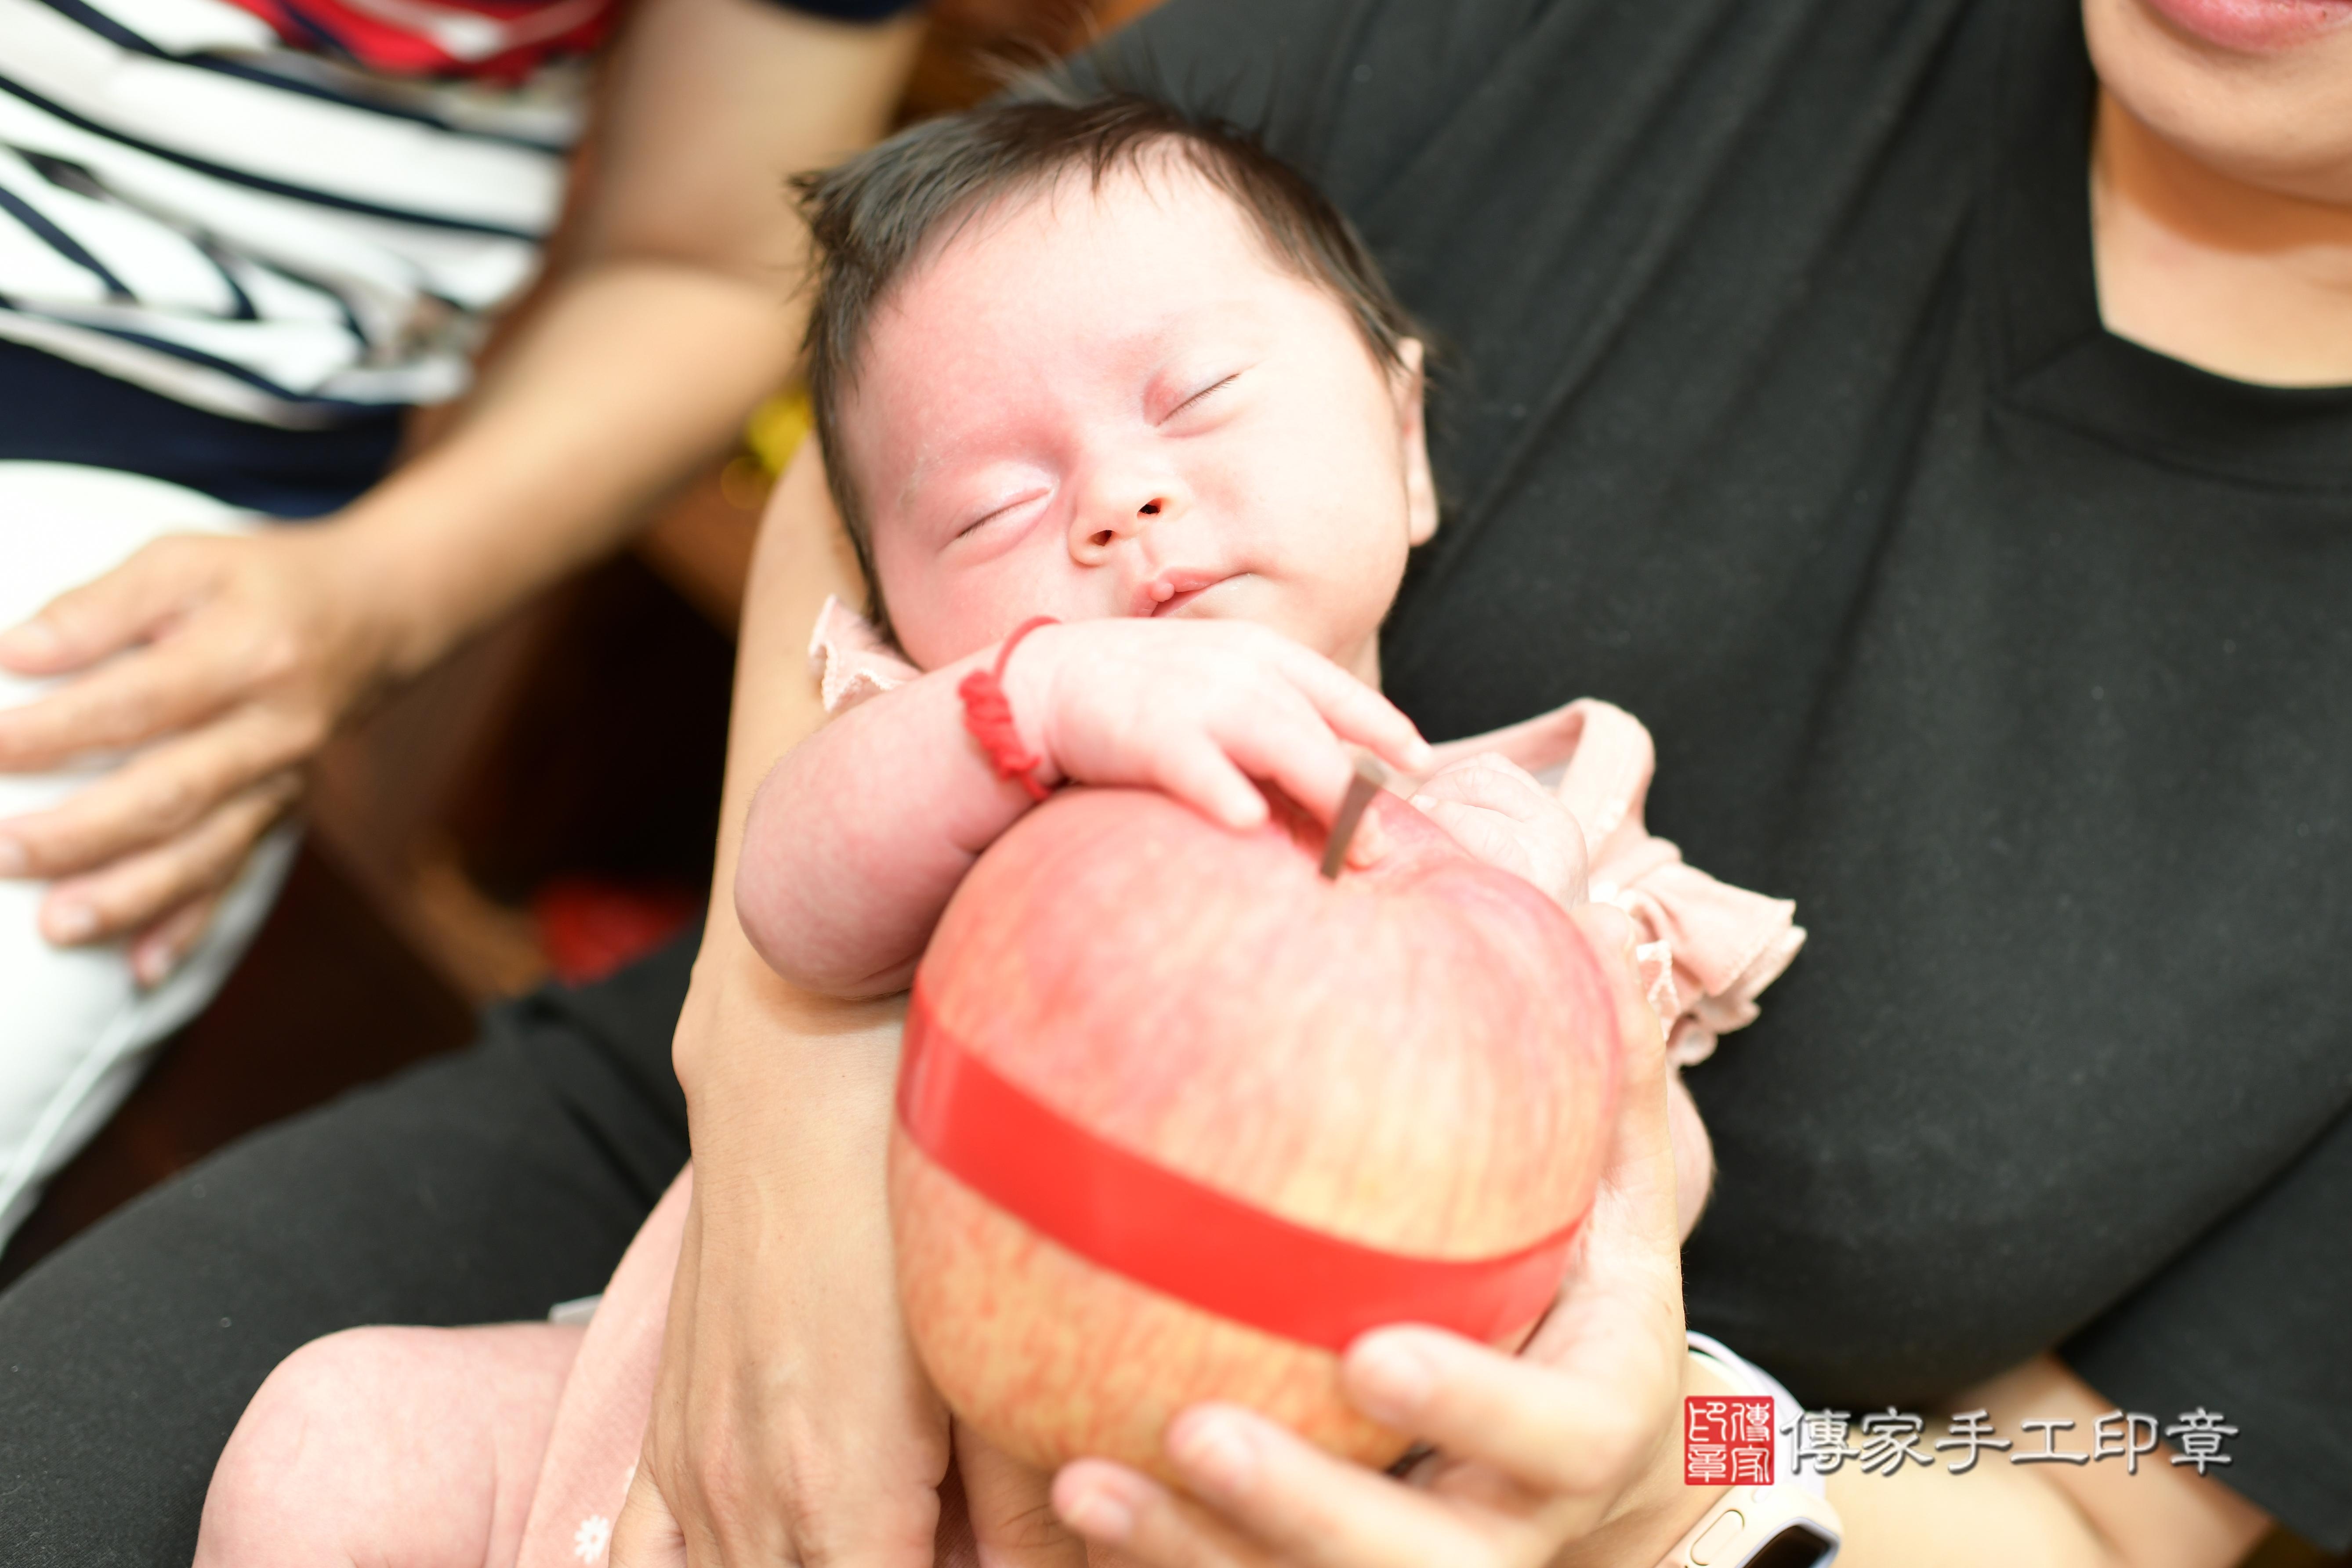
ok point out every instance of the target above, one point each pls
(2254, 26)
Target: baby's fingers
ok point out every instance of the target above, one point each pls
(1355, 711)
(1197, 772)
(1287, 743)
(1488, 836)
(1495, 809)
(1493, 781)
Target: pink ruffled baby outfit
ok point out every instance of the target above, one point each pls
(1707, 950)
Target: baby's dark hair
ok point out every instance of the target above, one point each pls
(875, 215)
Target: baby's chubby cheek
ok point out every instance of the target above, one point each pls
(940, 613)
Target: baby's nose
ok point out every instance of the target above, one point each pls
(1131, 524)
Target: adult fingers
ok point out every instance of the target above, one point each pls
(164, 945)
(647, 1533)
(138, 891)
(110, 613)
(790, 1424)
(1557, 1442)
(1581, 1429)
(1011, 1508)
(155, 795)
(1142, 1522)
(179, 681)
(1268, 1496)
(1309, 1508)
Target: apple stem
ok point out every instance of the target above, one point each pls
(1370, 778)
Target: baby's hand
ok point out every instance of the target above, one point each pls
(1199, 709)
(1499, 813)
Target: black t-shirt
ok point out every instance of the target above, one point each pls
(1774, 405)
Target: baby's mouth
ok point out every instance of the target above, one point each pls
(1171, 591)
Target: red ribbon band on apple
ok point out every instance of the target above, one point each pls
(1118, 1210)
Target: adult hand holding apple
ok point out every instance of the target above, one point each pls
(1180, 1117)
(1565, 1454)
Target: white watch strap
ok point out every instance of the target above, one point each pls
(1746, 1374)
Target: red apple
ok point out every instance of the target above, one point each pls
(1415, 1059)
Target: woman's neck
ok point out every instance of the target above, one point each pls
(2227, 276)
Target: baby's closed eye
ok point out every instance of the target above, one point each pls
(1205, 394)
(999, 508)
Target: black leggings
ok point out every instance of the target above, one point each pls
(482, 1187)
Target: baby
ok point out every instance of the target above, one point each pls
(1087, 361)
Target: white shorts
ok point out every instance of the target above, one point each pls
(76, 1031)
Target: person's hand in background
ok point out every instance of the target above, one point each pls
(239, 657)
(225, 662)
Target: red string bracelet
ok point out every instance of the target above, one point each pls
(987, 714)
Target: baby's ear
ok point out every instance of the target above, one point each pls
(1406, 385)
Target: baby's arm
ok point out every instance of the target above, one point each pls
(862, 833)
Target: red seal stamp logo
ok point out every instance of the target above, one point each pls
(1728, 1440)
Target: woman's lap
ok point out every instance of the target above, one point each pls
(78, 1027)
(476, 1188)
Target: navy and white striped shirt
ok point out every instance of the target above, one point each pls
(292, 213)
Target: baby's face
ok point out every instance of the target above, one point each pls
(1114, 403)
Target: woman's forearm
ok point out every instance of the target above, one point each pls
(680, 312)
(2040, 1515)
(790, 1418)
(802, 557)
(1992, 1514)
(630, 374)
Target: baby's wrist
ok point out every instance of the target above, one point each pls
(1031, 683)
